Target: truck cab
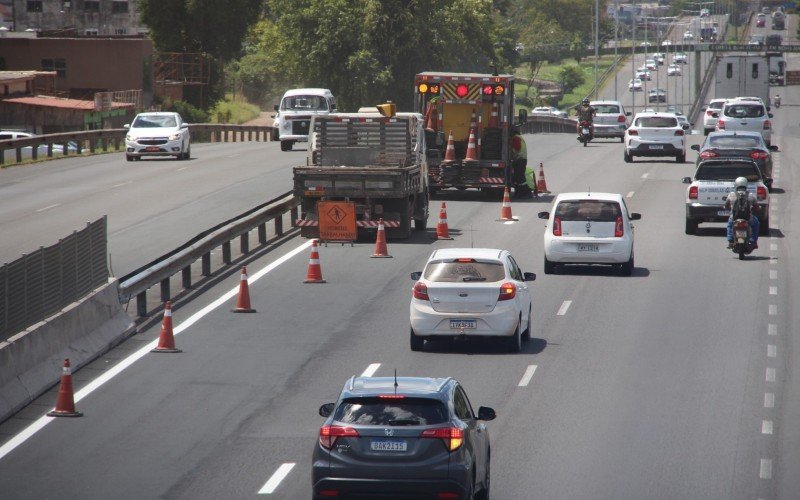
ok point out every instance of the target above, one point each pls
(294, 113)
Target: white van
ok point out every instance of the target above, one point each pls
(295, 111)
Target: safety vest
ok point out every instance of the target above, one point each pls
(523, 149)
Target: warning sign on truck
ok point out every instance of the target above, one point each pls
(337, 220)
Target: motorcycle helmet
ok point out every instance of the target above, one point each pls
(740, 183)
(585, 102)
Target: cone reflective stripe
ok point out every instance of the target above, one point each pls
(442, 231)
(166, 339)
(541, 185)
(65, 402)
(314, 273)
(494, 120)
(505, 212)
(472, 152)
(450, 153)
(243, 299)
(473, 121)
(380, 242)
(432, 118)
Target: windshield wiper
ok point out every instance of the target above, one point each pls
(473, 278)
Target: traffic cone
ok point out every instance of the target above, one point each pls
(442, 231)
(541, 185)
(243, 300)
(432, 118)
(314, 273)
(450, 153)
(65, 402)
(472, 151)
(380, 242)
(494, 119)
(166, 340)
(473, 121)
(505, 212)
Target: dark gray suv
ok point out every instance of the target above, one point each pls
(404, 437)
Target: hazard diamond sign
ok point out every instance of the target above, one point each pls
(337, 220)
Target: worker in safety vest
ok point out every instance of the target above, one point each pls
(519, 162)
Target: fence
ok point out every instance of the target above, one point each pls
(40, 284)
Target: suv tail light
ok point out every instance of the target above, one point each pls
(621, 119)
(761, 193)
(679, 132)
(720, 124)
(767, 125)
(759, 155)
(329, 433)
(453, 437)
(693, 193)
(709, 154)
(420, 291)
(618, 229)
(556, 226)
(633, 131)
(507, 291)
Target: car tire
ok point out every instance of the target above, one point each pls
(188, 153)
(514, 343)
(487, 479)
(706, 131)
(622, 140)
(627, 157)
(417, 342)
(549, 267)
(681, 158)
(626, 269)
(526, 335)
(691, 226)
(128, 158)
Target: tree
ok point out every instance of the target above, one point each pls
(571, 76)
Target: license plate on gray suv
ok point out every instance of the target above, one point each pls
(388, 445)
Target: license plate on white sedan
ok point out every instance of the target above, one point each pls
(588, 247)
(724, 213)
(656, 146)
(463, 324)
(388, 445)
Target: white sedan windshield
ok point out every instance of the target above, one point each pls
(155, 121)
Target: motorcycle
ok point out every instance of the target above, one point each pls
(741, 238)
(586, 133)
(777, 100)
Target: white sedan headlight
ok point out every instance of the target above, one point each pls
(175, 137)
(129, 137)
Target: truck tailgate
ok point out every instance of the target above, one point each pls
(356, 181)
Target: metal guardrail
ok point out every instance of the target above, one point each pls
(180, 260)
(538, 124)
(94, 140)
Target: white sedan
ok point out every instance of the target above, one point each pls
(471, 292)
(589, 228)
(157, 134)
(674, 70)
(635, 85)
(688, 36)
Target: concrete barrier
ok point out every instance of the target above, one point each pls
(31, 361)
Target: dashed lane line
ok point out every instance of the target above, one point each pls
(773, 274)
(630, 195)
(773, 290)
(645, 175)
(121, 184)
(48, 207)
(770, 376)
(772, 351)
(371, 369)
(564, 306)
(773, 310)
(769, 400)
(766, 427)
(527, 376)
(765, 471)
(772, 329)
(272, 484)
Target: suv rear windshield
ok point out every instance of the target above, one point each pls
(727, 172)
(744, 110)
(611, 109)
(594, 210)
(715, 104)
(728, 141)
(457, 270)
(391, 412)
(657, 121)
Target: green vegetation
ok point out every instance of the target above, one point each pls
(232, 110)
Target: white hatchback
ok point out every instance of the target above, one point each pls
(589, 228)
(471, 292)
(711, 114)
(746, 113)
(655, 134)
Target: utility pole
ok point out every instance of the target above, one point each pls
(616, 42)
(596, 45)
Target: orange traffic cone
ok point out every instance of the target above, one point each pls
(473, 121)
(65, 402)
(380, 242)
(450, 153)
(243, 300)
(432, 118)
(494, 119)
(472, 151)
(314, 273)
(505, 212)
(166, 339)
(442, 231)
(541, 185)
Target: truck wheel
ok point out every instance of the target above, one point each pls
(286, 145)
(691, 226)
(420, 224)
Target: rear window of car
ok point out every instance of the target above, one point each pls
(391, 412)
(459, 270)
(744, 111)
(734, 142)
(727, 172)
(607, 108)
(657, 122)
(715, 104)
(594, 210)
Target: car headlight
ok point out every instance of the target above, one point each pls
(286, 125)
(174, 137)
(128, 137)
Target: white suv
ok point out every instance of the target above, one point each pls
(655, 134)
(746, 114)
(710, 114)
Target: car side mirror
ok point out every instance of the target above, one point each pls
(184, 125)
(687, 180)
(769, 114)
(635, 216)
(704, 108)
(529, 276)
(416, 275)
(127, 125)
(544, 215)
(774, 148)
(695, 147)
(275, 107)
(486, 413)
(326, 410)
(523, 116)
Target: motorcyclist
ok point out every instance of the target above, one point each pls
(586, 113)
(777, 100)
(742, 204)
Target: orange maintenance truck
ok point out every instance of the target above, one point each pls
(464, 105)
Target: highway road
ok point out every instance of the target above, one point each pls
(678, 382)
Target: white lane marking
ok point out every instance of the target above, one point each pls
(511, 221)
(773, 310)
(772, 329)
(526, 378)
(766, 427)
(371, 369)
(280, 474)
(773, 246)
(48, 207)
(773, 274)
(773, 260)
(645, 176)
(766, 469)
(121, 184)
(772, 351)
(95, 384)
(770, 375)
(630, 195)
(773, 290)
(182, 168)
(769, 400)
(564, 306)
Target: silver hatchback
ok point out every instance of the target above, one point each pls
(610, 120)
